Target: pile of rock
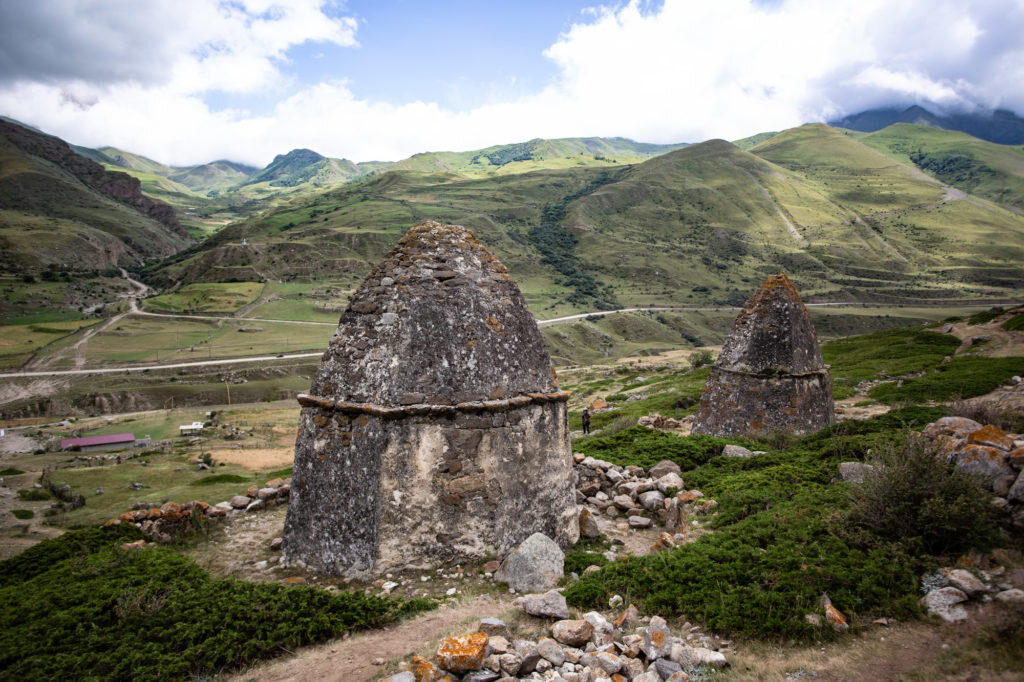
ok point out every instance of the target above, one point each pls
(663, 423)
(644, 497)
(589, 648)
(993, 457)
(948, 589)
(171, 518)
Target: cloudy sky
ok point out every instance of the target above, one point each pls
(189, 81)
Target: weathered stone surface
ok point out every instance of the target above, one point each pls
(657, 640)
(669, 480)
(991, 436)
(240, 502)
(1016, 493)
(492, 627)
(1011, 596)
(652, 500)
(462, 654)
(664, 467)
(854, 472)
(550, 651)
(945, 604)
(769, 375)
(666, 666)
(537, 564)
(836, 618)
(639, 522)
(551, 604)
(528, 655)
(736, 451)
(957, 427)
(985, 463)
(588, 524)
(572, 632)
(434, 430)
(965, 581)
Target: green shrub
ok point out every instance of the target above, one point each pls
(701, 358)
(279, 473)
(23, 514)
(11, 472)
(963, 377)
(222, 478)
(80, 607)
(33, 494)
(916, 497)
(985, 316)
(780, 540)
(1015, 323)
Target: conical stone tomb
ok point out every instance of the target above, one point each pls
(434, 429)
(769, 376)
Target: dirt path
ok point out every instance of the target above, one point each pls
(352, 659)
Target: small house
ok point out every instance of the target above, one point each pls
(193, 429)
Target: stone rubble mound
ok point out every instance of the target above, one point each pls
(948, 589)
(994, 458)
(586, 649)
(645, 498)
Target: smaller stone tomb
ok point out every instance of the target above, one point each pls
(434, 429)
(769, 376)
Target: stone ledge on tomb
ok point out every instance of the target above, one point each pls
(419, 409)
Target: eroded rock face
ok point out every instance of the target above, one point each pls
(434, 429)
(769, 376)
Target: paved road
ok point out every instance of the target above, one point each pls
(175, 365)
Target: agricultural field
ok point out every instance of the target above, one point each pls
(206, 298)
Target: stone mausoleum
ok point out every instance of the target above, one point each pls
(434, 429)
(769, 376)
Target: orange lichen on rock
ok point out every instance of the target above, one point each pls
(462, 654)
(991, 436)
(423, 670)
(836, 618)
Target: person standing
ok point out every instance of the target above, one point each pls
(586, 421)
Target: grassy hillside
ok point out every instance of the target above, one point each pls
(702, 225)
(49, 216)
(984, 169)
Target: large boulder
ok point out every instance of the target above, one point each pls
(536, 565)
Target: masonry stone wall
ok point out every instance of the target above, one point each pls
(770, 376)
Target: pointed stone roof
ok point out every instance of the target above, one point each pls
(438, 321)
(773, 333)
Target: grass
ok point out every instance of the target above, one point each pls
(79, 606)
(206, 298)
(890, 353)
(18, 342)
(23, 514)
(963, 377)
(780, 541)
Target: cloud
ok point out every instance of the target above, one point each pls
(679, 71)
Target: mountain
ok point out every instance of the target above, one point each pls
(698, 225)
(57, 206)
(984, 169)
(1000, 126)
(218, 176)
(304, 166)
(535, 154)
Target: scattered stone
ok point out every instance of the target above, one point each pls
(669, 480)
(572, 632)
(588, 524)
(1011, 596)
(528, 655)
(964, 580)
(623, 502)
(854, 472)
(639, 522)
(665, 667)
(736, 451)
(537, 564)
(551, 604)
(991, 436)
(275, 544)
(657, 640)
(614, 600)
(652, 500)
(404, 676)
(836, 618)
(663, 467)
(492, 627)
(550, 651)
(240, 502)
(628, 617)
(462, 654)
(945, 603)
